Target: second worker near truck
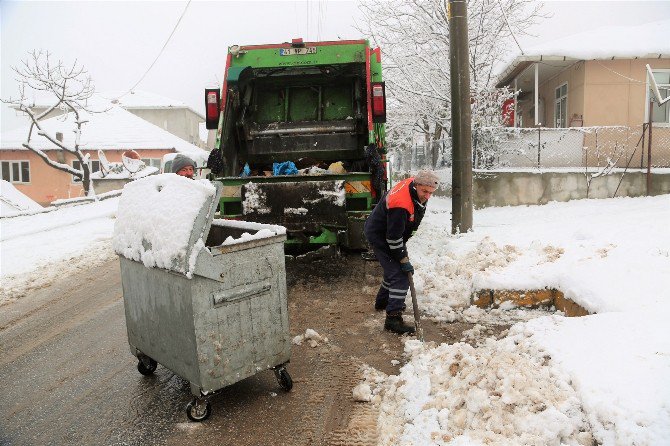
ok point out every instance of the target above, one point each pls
(387, 229)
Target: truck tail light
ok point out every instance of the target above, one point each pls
(212, 100)
(378, 102)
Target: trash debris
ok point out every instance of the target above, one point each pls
(337, 167)
(285, 168)
(314, 170)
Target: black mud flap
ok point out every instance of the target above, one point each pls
(304, 206)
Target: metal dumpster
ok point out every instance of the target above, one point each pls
(214, 311)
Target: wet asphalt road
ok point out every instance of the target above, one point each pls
(68, 377)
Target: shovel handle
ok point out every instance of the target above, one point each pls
(415, 307)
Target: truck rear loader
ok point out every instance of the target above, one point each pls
(300, 138)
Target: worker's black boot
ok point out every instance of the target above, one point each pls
(395, 324)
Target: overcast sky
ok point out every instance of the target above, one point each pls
(117, 41)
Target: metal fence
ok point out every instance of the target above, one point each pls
(575, 147)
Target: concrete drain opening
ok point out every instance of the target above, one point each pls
(544, 298)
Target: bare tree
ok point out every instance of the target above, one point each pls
(70, 86)
(606, 159)
(414, 38)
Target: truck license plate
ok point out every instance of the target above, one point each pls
(297, 51)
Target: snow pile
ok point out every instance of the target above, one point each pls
(313, 338)
(448, 281)
(619, 363)
(362, 392)
(552, 380)
(592, 250)
(504, 392)
(13, 202)
(155, 219)
(371, 388)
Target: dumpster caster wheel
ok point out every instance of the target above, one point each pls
(146, 366)
(284, 379)
(198, 411)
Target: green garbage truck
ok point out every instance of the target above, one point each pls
(300, 138)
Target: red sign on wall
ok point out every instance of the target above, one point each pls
(508, 113)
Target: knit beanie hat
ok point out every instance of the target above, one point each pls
(426, 178)
(180, 161)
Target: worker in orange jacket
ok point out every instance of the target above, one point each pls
(392, 222)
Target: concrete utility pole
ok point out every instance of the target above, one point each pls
(461, 117)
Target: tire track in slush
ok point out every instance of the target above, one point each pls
(331, 416)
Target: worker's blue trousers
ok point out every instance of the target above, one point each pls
(395, 283)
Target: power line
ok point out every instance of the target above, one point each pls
(160, 52)
(509, 27)
(619, 74)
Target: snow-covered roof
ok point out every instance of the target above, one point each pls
(114, 129)
(647, 41)
(140, 99)
(136, 99)
(13, 202)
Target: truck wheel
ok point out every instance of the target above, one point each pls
(284, 379)
(198, 412)
(146, 366)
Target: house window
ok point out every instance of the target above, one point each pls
(95, 166)
(152, 162)
(561, 107)
(660, 114)
(16, 171)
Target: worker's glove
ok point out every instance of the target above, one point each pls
(406, 266)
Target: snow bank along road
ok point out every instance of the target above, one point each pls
(37, 249)
(551, 380)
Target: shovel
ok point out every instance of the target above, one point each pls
(415, 306)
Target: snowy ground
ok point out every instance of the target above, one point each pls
(37, 249)
(550, 381)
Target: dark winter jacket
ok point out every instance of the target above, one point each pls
(397, 215)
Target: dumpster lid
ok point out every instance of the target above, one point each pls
(163, 220)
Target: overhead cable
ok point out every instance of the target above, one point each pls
(509, 27)
(160, 52)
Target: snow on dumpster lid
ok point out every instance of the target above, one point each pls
(162, 218)
(255, 230)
